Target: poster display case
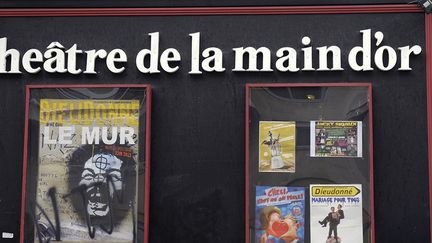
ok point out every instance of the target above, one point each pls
(309, 163)
(86, 164)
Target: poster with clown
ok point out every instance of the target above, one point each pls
(87, 155)
(279, 214)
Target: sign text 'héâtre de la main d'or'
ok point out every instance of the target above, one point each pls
(370, 54)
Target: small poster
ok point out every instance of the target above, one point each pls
(336, 139)
(279, 214)
(277, 146)
(336, 213)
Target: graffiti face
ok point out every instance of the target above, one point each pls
(102, 176)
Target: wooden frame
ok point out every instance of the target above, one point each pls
(267, 85)
(147, 145)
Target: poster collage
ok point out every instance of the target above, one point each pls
(88, 154)
(335, 209)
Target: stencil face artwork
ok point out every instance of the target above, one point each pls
(102, 182)
(102, 177)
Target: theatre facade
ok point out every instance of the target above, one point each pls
(215, 122)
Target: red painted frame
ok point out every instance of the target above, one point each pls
(273, 10)
(428, 30)
(268, 85)
(147, 145)
(347, 9)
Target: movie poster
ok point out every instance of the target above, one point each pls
(88, 161)
(336, 213)
(279, 214)
(277, 146)
(336, 139)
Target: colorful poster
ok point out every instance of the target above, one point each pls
(277, 146)
(279, 214)
(336, 213)
(336, 139)
(88, 162)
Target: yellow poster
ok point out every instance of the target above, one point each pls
(88, 158)
(277, 146)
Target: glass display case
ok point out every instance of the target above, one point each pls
(86, 163)
(309, 163)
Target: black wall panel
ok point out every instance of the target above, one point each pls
(197, 175)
